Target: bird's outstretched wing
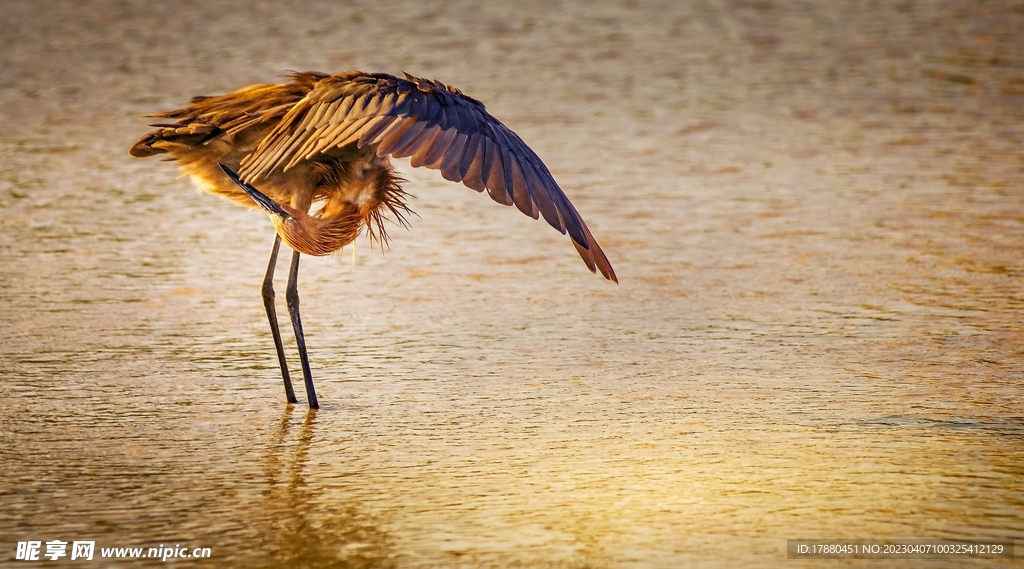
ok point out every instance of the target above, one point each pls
(208, 118)
(438, 127)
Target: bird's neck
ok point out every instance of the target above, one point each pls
(319, 235)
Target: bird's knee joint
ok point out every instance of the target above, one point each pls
(267, 290)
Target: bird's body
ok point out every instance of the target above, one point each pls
(325, 140)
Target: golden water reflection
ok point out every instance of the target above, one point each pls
(814, 210)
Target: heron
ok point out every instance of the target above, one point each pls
(319, 147)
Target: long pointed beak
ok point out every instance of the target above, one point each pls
(272, 207)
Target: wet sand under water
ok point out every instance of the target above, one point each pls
(815, 212)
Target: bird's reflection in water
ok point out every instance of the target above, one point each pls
(304, 529)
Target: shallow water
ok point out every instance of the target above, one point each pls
(815, 212)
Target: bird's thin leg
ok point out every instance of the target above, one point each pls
(292, 296)
(268, 302)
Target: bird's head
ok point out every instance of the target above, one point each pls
(355, 181)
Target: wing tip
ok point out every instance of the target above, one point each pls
(595, 259)
(143, 148)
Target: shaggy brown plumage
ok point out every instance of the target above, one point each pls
(327, 137)
(326, 140)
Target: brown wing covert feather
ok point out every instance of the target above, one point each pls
(437, 127)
